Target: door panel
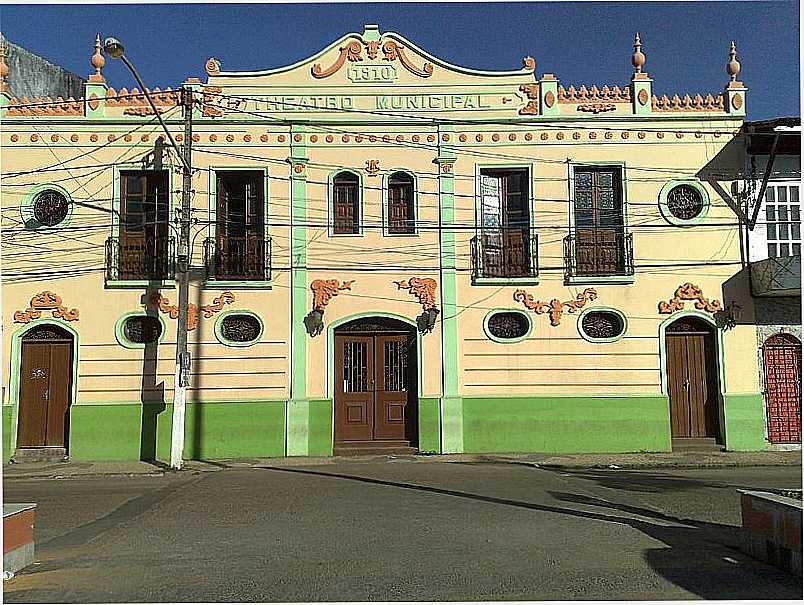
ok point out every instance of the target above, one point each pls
(391, 382)
(676, 386)
(34, 387)
(59, 396)
(354, 388)
(692, 385)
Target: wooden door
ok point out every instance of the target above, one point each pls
(392, 384)
(782, 357)
(354, 388)
(505, 224)
(599, 221)
(45, 390)
(692, 384)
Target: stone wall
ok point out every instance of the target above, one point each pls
(30, 75)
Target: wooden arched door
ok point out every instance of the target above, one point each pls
(46, 372)
(781, 354)
(375, 386)
(692, 379)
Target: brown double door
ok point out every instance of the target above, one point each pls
(45, 387)
(373, 393)
(692, 382)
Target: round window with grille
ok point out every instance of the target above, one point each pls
(142, 329)
(50, 207)
(505, 326)
(602, 326)
(240, 328)
(685, 202)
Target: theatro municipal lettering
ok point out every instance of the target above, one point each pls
(413, 102)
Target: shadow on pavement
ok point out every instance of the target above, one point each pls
(700, 557)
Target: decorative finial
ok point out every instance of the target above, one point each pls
(97, 61)
(733, 66)
(638, 58)
(3, 69)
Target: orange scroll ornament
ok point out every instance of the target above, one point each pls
(555, 307)
(325, 289)
(423, 288)
(46, 301)
(207, 311)
(689, 291)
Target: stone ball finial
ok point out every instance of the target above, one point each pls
(97, 61)
(733, 66)
(638, 58)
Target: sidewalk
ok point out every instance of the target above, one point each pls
(686, 459)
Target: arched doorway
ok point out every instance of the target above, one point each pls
(781, 354)
(375, 386)
(692, 379)
(45, 388)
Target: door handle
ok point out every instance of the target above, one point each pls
(46, 394)
(685, 385)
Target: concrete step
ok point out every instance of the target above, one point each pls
(696, 444)
(39, 454)
(367, 448)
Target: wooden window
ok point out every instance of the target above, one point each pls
(504, 223)
(600, 246)
(401, 210)
(346, 203)
(143, 241)
(240, 225)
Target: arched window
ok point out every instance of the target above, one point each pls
(401, 210)
(346, 203)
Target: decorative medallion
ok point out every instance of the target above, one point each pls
(172, 311)
(212, 67)
(325, 289)
(549, 99)
(46, 301)
(372, 167)
(684, 202)
(688, 291)
(352, 51)
(93, 102)
(423, 288)
(50, 207)
(555, 308)
(737, 101)
(642, 97)
(446, 168)
(596, 107)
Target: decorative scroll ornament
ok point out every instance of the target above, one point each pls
(423, 288)
(142, 111)
(46, 301)
(325, 289)
(209, 107)
(529, 63)
(207, 311)
(596, 108)
(555, 308)
(352, 51)
(532, 92)
(372, 167)
(689, 291)
(212, 67)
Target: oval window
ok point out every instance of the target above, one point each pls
(142, 329)
(508, 325)
(602, 325)
(50, 207)
(240, 328)
(685, 202)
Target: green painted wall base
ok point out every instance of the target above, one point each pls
(319, 440)
(566, 424)
(452, 425)
(6, 419)
(429, 425)
(229, 429)
(744, 421)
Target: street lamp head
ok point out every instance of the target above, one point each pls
(113, 47)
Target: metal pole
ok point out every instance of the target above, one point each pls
(182, 373)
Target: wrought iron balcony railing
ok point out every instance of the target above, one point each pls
(598, 252)
(140, 258)
(238, 258)
(505, 253)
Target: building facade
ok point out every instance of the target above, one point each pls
(388, 251)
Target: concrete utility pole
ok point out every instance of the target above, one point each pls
(182, 375)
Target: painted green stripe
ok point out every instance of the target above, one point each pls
(744, 421)
(429, 425)
(6, 419)
(320, 427)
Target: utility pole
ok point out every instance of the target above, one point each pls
(182, 374)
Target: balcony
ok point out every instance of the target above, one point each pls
(503, 255)
(776, 276)
(598, 254)
(139, 259)
(238, 259)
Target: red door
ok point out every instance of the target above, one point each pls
(782, 356)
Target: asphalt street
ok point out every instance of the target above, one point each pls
(396, 529)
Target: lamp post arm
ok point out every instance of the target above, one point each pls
(156, 112)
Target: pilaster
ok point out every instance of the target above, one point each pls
(641, 94)
(548, 95)
(734, 98)
(298, 410)
(451, 403)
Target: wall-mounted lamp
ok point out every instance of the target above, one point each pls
(314, 322)
(427, 320)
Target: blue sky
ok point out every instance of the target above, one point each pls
(686, 43)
